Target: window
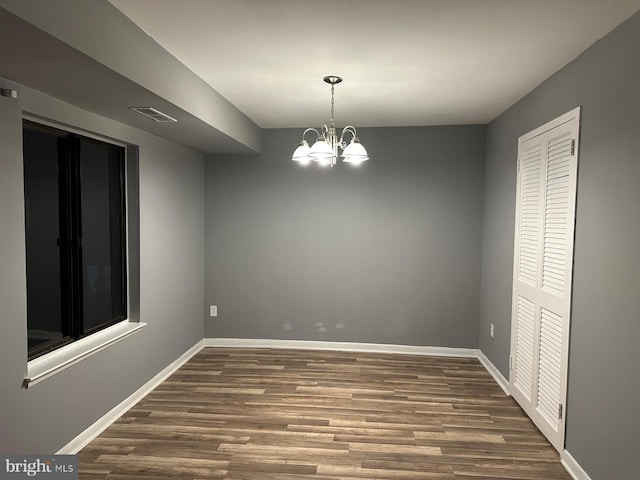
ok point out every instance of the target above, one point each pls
(75, 236)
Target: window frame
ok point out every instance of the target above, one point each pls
(71, 274)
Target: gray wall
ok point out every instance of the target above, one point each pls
(602, 411)
(50, 414)
(388, 252)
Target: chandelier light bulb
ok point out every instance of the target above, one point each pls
(301, 155)
(321, 150)
(355, 153)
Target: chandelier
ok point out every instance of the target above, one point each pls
(325, 149)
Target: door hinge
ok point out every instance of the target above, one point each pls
(518, 164)
(573, 146)
(510, 363)
(560, 412)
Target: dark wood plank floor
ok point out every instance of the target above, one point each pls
(245, 414)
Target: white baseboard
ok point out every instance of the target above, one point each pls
(364, 347)
(568, 462)
(78, 443)
(494, 372)
(341, 347)
(106, 420)
(573, 467)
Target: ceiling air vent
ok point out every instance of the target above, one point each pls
(153, 114)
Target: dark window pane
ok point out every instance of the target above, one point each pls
(75, 236)
(42, 152)
(102, 206)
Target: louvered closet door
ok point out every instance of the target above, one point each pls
(543, 261)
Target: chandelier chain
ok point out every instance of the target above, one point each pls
(332, 104)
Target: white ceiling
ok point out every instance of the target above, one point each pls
(404, 62)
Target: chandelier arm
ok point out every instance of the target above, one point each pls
(310, 130)
(348, 129)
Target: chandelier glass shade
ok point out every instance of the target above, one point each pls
(325, 149)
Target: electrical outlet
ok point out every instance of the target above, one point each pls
(213, 310)
(491, 330)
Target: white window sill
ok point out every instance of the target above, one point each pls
(49, 364)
